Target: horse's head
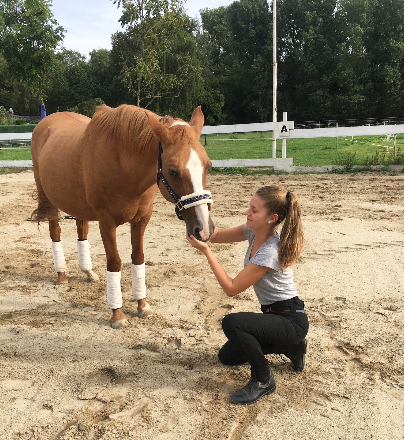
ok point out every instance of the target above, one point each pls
(184, 165)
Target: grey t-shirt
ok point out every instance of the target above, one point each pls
(273, 285)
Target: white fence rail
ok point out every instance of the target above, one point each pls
(364, 130)
(285, 164)
(15, 136)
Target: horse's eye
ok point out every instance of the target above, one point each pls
(173, 173)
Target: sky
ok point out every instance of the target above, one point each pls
(89, 24)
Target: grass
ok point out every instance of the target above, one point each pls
(359, 150)
(363, 150)
(15, 153)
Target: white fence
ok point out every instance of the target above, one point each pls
(279, 164)
(286, 164)
(15, 136)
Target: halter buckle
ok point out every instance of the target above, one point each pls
(179, 205)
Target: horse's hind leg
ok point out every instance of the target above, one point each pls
(47, 211)
(83, 250)
(59, 261)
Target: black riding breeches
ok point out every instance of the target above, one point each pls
(252, 335)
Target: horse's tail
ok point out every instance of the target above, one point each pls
(45, 210)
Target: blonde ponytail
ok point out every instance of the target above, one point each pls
(292, 236)
(287, 206)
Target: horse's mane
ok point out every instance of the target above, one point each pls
(126, 125)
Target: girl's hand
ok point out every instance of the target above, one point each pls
(199, 245)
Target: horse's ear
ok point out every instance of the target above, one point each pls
(159, 130)
(197, 120)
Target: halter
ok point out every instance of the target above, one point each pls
(184, 202)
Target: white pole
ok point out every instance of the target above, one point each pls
(274, 76)
(284, 145)
(395, 145)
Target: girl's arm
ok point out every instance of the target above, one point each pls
(246, 278)
(229, 235)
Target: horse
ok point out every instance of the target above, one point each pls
(108, 169)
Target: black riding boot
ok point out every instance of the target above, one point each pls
(255, 389)
(294, 352)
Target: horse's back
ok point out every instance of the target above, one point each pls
(57, 125)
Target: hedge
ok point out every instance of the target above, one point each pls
(26, 128)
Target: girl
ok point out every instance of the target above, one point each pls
(283, 325)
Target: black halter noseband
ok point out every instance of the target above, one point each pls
(184, 202)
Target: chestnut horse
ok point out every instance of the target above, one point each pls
(108, 169)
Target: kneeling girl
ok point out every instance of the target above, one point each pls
(283, 324)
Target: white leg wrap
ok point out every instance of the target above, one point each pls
(59, 261)
(83, 250)
(114, 295)
(138, 281)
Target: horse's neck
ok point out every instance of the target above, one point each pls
(140, 167)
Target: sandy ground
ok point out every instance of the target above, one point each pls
(65, 374)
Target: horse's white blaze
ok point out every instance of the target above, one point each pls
(196, 169)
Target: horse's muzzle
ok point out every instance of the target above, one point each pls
(195, 228)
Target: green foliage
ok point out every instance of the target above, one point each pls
(337, 59)
(4, 116)
(87, 108)
(161, 66)
(26, 128)
(238, 44)
(29, 37)
(20, 121)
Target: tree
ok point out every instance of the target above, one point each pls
(238, 43)
(161, 65)
(148, 23)
(29, 37)
(383, 38)
(309, 35)
(69, 82)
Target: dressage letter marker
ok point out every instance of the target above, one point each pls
(284, 129)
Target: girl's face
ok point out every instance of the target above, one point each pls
(256, 215)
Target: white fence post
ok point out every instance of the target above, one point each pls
(284, 144)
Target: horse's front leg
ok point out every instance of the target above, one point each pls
(108, 230)
(138, 264)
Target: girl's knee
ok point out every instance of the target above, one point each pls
(229, 322)
(233, 323)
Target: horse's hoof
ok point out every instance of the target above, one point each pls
(121, 323)
(146, 311)
(92, 276)
(62, 278)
